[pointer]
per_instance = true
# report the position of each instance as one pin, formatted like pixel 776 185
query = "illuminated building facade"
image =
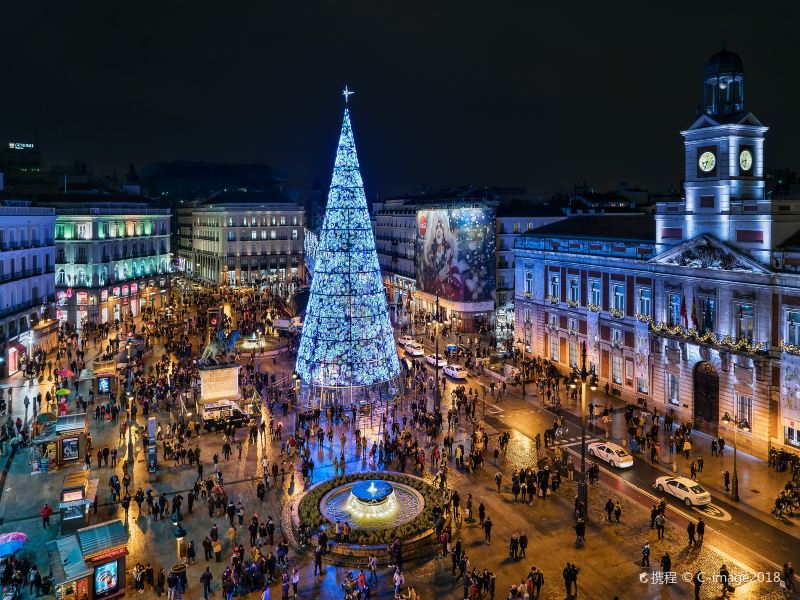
pixel 347 338
pixel 695 309
pixel 27 266
pixel 249 238
pixel 112 256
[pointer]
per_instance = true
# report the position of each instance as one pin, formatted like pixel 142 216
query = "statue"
pixel 220 344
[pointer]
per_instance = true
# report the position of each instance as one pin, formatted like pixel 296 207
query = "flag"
pixel 683 311
pixel 694 314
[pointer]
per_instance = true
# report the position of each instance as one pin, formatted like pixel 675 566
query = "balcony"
pixel 17 275
pixel 10 310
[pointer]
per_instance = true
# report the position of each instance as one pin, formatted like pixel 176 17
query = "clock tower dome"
pixel 724 185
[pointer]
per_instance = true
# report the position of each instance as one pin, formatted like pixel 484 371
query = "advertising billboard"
pixel 455 253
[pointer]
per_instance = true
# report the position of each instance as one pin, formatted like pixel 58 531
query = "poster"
pixel 455 253
pixel 69 449
pixel 104 386
pixel 106 579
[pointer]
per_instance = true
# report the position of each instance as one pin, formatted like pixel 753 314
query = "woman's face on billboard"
pixel 439 232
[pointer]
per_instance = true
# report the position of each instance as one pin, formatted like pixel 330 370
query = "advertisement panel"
pixel 106 579
pixel 455 253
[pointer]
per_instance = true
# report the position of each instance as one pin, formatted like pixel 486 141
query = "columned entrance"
pixel 706 398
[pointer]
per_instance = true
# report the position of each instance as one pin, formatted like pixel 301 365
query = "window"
pixel 283 220
pixel 744 408
pixel 554 349
pixel 594 292
pixel 572 324
pixel 273 235
pixel 574 289
pixel 516 227
pixel 553 321
pixel 673 389
pixel 616 369
pixel 644 301
pixel 294 234
pixel 529 283
pixel 793 327
pixel 573 354
pixel 618 297
pixel 253 234
pixel 641 385
pixel 555 286
pixel 526 315
pixel 263 234
pixel 673 310
pixel 294 220
pixel 616 337
pixel 273 221
pixel 231 236
pixel 708 307
pixel 744 322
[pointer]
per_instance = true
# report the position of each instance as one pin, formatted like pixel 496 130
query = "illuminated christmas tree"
pixel 347 337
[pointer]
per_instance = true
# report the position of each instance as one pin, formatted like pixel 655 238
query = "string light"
pixel 347 338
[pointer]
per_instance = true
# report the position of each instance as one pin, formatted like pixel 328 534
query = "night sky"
pixel 537 94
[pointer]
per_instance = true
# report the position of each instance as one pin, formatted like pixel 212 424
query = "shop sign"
pixel 115 291
pixel 104 296
pixel 83 297
pixel 107 555
pixel 124 290
pixel 134 289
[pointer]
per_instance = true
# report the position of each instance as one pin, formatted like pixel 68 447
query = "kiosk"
pixel 90 564
pixel 77 496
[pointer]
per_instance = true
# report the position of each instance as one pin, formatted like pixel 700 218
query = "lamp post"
pixel 436 401
pixel 180 533
pixel 522 366
pixel 585 377
pixel 744 426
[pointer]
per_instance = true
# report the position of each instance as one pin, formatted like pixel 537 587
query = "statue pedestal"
pixel 219 383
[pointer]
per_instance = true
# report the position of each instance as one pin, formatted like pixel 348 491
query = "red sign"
pixel 124 290
pixel 83 297
pixel 134 288
pixel 422 224
pixel 115 291
pixel 104 296
pixel 107 555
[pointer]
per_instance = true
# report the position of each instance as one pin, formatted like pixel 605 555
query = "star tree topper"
pixel 347 93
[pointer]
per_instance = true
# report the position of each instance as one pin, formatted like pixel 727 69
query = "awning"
pixel 17 346
pixel 98 538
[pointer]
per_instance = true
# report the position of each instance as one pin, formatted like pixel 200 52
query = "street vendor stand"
pixel 78 493
pixel 58 442
pixel 90 564
pixel 104 379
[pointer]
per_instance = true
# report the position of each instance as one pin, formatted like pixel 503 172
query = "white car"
pixel 415 349
pixel 683 488
pixel 406 340
pixel 455 371
pixel 614 455
pixel 436 360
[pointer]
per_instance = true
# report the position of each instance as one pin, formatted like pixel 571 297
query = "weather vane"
pixel 347 93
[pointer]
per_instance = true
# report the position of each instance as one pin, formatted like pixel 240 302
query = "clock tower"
pixel 724 185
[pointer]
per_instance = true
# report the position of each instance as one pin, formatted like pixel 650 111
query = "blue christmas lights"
pixel 347 337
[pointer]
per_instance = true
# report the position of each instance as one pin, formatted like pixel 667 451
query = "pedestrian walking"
pixel 646 555
pixel 45 513
pixel 487 529
pixel 701 530
pixel 660 522
pixel 726 479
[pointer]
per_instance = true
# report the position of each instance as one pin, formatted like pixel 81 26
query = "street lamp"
pixel 522 366
pixel 296 388
pixel 180 533
pixel 583 377
pixel 436 402
pixel 744 426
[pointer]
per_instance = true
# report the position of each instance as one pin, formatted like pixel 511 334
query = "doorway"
pixel 706 398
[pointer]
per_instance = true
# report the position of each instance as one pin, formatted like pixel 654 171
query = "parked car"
pixel 683 488
pixel 613 454
pixel 436 359
pixel 455 371
pixel 216 415
pixel 415 349
pixel 405 340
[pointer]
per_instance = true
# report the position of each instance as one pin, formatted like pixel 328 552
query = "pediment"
pixel 707 252
pixel 750 119
pixel 702 122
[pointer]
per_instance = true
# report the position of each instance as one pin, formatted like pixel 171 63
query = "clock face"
pixel 707 161
pixel 745 160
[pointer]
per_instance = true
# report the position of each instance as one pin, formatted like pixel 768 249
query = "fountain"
pixel 372 504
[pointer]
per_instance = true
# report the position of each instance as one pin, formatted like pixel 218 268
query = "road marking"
pixel 713 511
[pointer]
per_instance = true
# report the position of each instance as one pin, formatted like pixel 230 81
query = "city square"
pixel 222 379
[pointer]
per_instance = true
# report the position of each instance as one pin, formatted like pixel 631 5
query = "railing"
pixel 10 310
pixel 16 275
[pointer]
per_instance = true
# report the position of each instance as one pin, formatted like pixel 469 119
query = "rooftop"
pixel 267 196
pixel 638 228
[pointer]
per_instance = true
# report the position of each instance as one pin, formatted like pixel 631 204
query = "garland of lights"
pixel 347 338
pixel 709 337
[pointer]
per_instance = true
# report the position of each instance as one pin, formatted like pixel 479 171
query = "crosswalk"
pixel 565 442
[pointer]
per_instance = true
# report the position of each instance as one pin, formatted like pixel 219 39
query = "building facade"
pixel 241 239
pixel 112 257
pixel 397 234
pixel 27 284
pixel 184 262
pixel 695 309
